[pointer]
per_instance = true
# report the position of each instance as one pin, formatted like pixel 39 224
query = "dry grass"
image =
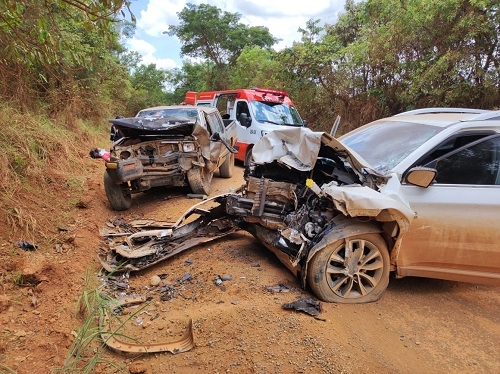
pixel 41 159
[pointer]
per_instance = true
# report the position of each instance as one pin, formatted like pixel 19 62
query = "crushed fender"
pixel 112 340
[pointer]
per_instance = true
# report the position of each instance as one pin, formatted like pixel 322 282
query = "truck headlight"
pixel 188 147
pixel 264 133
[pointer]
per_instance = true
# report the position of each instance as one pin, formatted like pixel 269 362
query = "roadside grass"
pixel 88 351
pixel 42 166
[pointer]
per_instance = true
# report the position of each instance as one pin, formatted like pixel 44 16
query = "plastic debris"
pixel 27 246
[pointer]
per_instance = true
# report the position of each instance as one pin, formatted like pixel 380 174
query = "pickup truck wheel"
pixel 118 195
pixel 199 180
pixel 248 157
pixel 227 167
pixel 351 271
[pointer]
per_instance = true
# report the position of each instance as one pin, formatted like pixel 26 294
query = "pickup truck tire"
pixel 227 168
pixel 248 157
pixel 118 195
pixel 351 271
pixel 199 180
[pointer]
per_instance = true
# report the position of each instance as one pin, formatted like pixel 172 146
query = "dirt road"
pixel 419 325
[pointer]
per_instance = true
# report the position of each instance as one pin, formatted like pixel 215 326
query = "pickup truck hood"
pixel 135 127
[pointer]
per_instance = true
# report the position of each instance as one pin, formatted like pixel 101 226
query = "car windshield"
pixel 279 114
pixel 385 144
pixel 180 114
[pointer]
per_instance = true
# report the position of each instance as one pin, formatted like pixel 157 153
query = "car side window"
pixel 242 107
pixel 477 164
pixel 215 123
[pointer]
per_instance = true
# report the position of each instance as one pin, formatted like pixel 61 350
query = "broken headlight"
pixel 188 147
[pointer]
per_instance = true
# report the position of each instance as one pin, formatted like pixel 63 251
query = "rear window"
pixel 177 113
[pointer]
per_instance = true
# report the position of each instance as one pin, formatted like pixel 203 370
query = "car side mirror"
pixel 245 120
pixel 215 137
pixel 305 123
pixel 421 176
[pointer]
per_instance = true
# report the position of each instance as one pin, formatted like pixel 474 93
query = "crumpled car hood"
pixel 134 126
pixel 299 147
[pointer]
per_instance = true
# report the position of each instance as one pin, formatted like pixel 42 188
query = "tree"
pixel 208 33
pixel 59 51
pixel 263 66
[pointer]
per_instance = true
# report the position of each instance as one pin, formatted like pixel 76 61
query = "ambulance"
pixel 257 112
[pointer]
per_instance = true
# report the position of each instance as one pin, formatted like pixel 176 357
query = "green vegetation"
pixel 64 73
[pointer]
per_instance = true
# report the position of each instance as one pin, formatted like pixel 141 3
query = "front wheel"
pixel 118 194
pixel 351 271
pixel 199 180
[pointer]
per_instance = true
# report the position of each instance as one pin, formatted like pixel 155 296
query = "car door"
pixel 455 234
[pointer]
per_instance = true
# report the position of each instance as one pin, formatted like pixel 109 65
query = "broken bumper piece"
pixel 153 243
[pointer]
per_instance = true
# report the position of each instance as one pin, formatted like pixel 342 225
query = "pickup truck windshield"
pixel 386 144
pixel 276 113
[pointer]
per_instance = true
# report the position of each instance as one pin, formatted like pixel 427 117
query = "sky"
pixel 281 17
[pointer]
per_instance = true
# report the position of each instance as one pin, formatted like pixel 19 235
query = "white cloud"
pixel 158 15
pixel 148 51
pixel 281 17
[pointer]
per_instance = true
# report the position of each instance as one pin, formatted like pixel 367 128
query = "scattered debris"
pixel 27 246
pixel 255 265
pixel 168 292
pixel 226 277
pixel 197 196
pixel 188 262
pixel 306 305
pixel 278 288
pixel 186 277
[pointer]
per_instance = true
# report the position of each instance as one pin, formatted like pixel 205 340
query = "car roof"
pixel 444 117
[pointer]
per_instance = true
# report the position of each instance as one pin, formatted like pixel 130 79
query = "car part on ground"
pixel 113 338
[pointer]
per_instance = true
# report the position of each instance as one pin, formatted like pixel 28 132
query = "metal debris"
pixel 112 339
pixel 306 305
pixel 278 288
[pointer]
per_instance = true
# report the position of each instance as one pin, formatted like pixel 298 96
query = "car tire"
pixel 118 195
pixel 333 279
pixel 227 168
pixel 199 180
pixel 248 157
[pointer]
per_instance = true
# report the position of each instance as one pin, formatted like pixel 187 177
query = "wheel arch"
pixel 346 229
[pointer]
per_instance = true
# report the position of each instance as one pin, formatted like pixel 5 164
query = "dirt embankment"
pixel 419 325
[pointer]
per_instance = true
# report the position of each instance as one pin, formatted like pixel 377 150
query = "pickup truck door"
pixel 217 149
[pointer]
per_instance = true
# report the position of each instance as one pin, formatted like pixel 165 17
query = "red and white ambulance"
pixel 257 112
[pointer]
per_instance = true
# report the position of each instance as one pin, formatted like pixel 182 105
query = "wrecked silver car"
pixel 168 146
pixel 340 224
